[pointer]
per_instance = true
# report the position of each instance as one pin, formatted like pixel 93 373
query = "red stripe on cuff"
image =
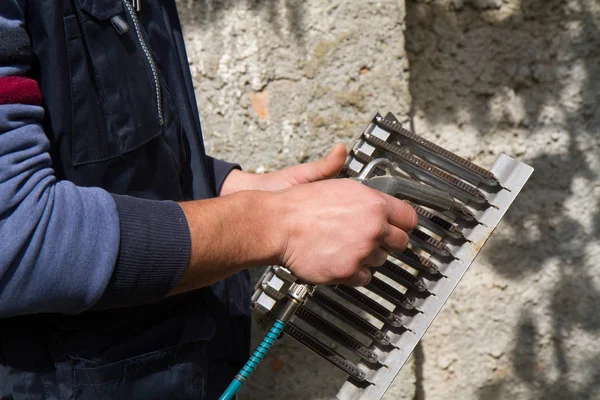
pixel 19 90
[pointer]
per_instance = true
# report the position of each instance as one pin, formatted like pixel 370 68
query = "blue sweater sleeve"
pixel 65 248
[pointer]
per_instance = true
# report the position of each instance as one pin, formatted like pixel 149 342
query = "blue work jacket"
pixel 121 115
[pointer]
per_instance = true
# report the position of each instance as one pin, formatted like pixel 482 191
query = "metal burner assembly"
pixel 370 332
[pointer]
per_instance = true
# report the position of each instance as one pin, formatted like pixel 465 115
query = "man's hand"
pixel 326 168
pixel 337 230
pixel 324 232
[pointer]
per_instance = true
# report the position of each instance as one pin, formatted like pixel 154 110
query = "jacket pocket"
pixel 156 352
pixel 115 90
pixel 172 373
pixel 138 367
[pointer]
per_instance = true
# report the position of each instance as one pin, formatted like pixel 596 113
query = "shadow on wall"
pixel 275 12
pixel 460 60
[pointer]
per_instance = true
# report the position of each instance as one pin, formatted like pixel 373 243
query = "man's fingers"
pixel 395 240
pixel 400 214
pixel 361 278
pixel 376 258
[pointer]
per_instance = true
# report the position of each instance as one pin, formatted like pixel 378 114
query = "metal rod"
pixel 327 353
pixel 369 305
pixel 440 156
pixel 418 262
pixel 428 172
pixel 335 333
pixel 403 277
pixel 438 224
pixel 429 244
pixel 389 292
pixel 349 317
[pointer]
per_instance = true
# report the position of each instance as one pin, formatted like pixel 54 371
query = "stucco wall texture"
pixel 279 82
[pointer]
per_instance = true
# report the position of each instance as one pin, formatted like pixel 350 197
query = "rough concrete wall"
pixel 522 77
pixel 278 82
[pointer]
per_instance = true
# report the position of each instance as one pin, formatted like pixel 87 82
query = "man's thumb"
pixel 325 168
pixel 330 165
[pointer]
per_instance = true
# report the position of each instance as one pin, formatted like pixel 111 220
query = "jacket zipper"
pixel 138 33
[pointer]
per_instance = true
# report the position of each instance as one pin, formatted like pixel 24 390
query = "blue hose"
pixel 253 361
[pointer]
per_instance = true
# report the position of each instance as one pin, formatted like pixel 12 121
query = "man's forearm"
pixel 228 234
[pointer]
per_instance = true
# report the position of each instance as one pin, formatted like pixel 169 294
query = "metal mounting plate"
pixel 512 175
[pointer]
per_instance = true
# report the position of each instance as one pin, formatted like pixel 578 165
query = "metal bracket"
pixel 459 205
pixel 512 175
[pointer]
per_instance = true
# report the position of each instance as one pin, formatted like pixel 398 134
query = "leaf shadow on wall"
pixel 459 60
pixel 275 13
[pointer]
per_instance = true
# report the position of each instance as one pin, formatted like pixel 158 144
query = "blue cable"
pixel 253 361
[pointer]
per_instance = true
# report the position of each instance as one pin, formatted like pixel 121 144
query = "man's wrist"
pixel 273 234
pixel 229 234
pixel 257 225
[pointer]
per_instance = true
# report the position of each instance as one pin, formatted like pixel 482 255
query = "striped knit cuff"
pixel 15 46
pixel 154 251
